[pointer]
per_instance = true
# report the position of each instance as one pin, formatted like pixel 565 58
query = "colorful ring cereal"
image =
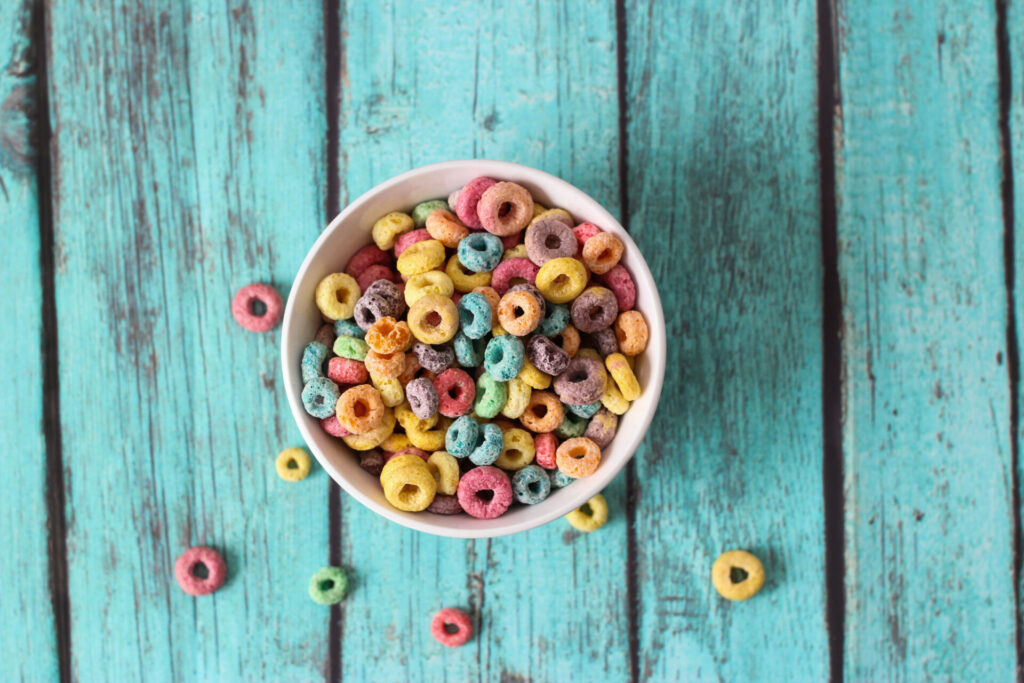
pixel 456 618
pixel 429 439
pixel 469 198
pixel 571 427
pixel 292 464
pixel 621 283
pixel 388 335
pixel 422 397
pixel 543 414
pixel 582 381
pixel 519 313
pixel 601 428
pixel 462 436
pixel 464 279
pixel 420 257
pixel 544 449
pixel 336 296
pixel 408 419
pixel 534 378
pixel 409 239
pixel 549 238
pixel 737 575
pixel 391 391
pixel 373 438
pixel 387 229
pixel 492 296
pixel 445 469
pixel 313 358
pixel 369 309
pixel 546 356
pixel 491 396
pixel 433 319
pixel 370 255
pixel 348 328
pixel 391 294
pixel 474 315
pixel 514 271
pixel 505 208
pixel 455 392
pixel 604 341
pixel 444 227
pixel 503 357
pixel 578 457
pixel 489 446
pixel 485 492
pixel 424 209
pixel 623 375
pixel 331 425
pixel 560 214
pixel 360 409
pixel 569 340
pixel 480 252
pixel 583 232
pixel 430 282
pixel 559 479
pixel 319 396
pixel 351 348
pixel 555 320
pixel 517 449
pixel 595 309
pixel 631 333
pixel 469 352
pixel 587 410
pixel 374 273
pixel 384 365
pixel 531 485
pixel 445 505
pixel 372 462
pixel 248 298
pixel 408 484
pixel 518 398
pixel 590 516
pixel 434 358
pixel 602 252
pixel 187 570
pixel 518 251
pixel 325 335
pixel 328 586
pixel 560 280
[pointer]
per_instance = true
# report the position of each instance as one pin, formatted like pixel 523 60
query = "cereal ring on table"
pixel 534 378
pixel 517 449
pixel 328 586
pixel 519 313
pixel 462 436
pixel 623 375
pixel 319 396
pixel 360 409
pixel 547 239
pixel 544 447
pixel 430 282
pixel 583 232
pixel 519 393
pixel 445 469
pixel 313 358
pixel 587 410
pixel 555 320
pixel 445 505
pixel 469 197
pixel 336 296
pixel 488 448
pixel 422 397
pixel 370 255
pixel 463 279
pixel 561 280
pixel 601 429
pixel 254 297
pixel 578 457
pixel 388 335
pixel 474 315
pixel 621 283
pixel 737 575
pixel 433 319
pixel 531 485
pixel 409 239
pixel 505 208
pixel 571 427
pixel 351 348
pixel 444 227
pixel 559 214
pixel 187 570
pixel 455 392
pixel 408 419
pixel 512 272
pixel 490 396
pixel 492 296
pixel 485 492
pixel 325 335
pixel 612 399
pixel 331 425
pixel 455 618
pixel 631 333
pixel 372 462
pixel 602 252
pixel 518 251
pixel 384 365
pixel 559 479
pixel 408 484
pixel 421 257
pixel 503 357
pixel 430 439
pixel 604 341
pixel 595 309
pixel 590 516
pixel 581 382
pixel 348 328
pixel 374 273
pixel 434 358
pixel 543 414
pixel 569 340
pixel 424 209
pixel 546 356
pixel 480 252
pixel 469 352
pixel 410 450
pixel 292 464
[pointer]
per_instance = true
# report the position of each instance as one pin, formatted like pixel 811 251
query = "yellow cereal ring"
pixel 517 449
pixel 336 296
pixel 395 442
pixel 518 397
pixel 444 227
pixel 590 516
pixel 373 438
pixel 612 399
pixel 292 464
pixel 430 282
pixel 360 409
pixel 561 280
pixel 498 330
pixel 391 390
pixel 559 214
pixel 420 258
pixel 409 420
pixel 538 210
pixel 532 377
pixel 387 229
pixel 463 279
pixel 737 575
pixel 408 484
pixel 518 251
pixel 445 469
pixel 624 378
pixel 589 353
pixel 433 319
pixel 430 439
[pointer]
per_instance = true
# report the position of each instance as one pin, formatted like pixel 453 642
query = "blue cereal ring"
pixel 480 251
pixel 319 397
pixel 491 396
pixel 531 485
pixel 313 361
pixel 469 352
pixel 555 321
pixel 559 479
pixel 474 315
pixel 503 357
pixel 348 328
pixel 587 410
pixel 462 436
pixel 572 426
pixel 489 447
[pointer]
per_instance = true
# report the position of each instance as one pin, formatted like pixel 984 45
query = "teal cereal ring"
pixel 328 586
pixel 313 359
pixel 555 320
pixel 587 410
pixel 480 252
pixel 491 396
pixel 469 352
pixel 474 315
pixel 572 426
pixel 348 328
pixel 462 436
pixel 424 209
pixel 352 348
pixel 489 447
pixel 531 485
pixel 503 357
pixel 319 397
pixel 559 479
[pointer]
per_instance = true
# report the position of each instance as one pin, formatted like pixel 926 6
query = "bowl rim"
pixel 655 353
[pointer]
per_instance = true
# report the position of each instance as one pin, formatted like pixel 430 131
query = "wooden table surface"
pixel 824 190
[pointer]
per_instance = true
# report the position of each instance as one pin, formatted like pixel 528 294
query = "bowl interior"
pixel 350 230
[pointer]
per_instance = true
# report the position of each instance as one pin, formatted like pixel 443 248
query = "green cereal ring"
pixel 350 347
pixel 491 396
pixel 572 426
pixel 424 209
pixel 328 586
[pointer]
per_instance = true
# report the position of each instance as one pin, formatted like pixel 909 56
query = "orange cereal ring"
pixel 360 409
pixel 412 366
pixel 569 340
pixel 544 413
pixel 433 319
pixel 492 296
pixel 578 457
pixel 631 332
pixel 444 227
pixel 384 365
pixel 519 313
pixel 388 335
pixel 602 252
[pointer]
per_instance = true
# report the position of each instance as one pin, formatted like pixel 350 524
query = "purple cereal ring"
pixel 469 197
pixel 445 505
pixel 391 293
pixel 422 397
pixel 602 426
pixel 369 309
pixel 505 209
pixel 595 309
pixel 621 282
pixel 549 238
pixel 372 462
pixel 512 271
pixel 407 239
pixel 527 287
pixel 250 295
pixel 547 356
pixel 581 382
pixel 325 335
pixel 605 341
pixel 435 359
pixel 185 570
pixel 485 492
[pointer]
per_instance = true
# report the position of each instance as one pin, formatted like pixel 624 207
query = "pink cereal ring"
pixel 455 392
pixel 188 565
pixel 508 270
pixel 450 616
pixel 347 371
pixel 505 209
pixel 546 444
pixel 370 255
pixel 469 197
pixel 407 239
pixel 485 492
pixel 584 231
pixel 408 451
pixel 333 427
pixel 374 273
pixel 621 283
pixel 242 304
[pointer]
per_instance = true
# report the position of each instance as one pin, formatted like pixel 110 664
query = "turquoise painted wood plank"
pixel 724 200
pixel 189 161
pixel 929 560
pixel 550 605
pixel 26 614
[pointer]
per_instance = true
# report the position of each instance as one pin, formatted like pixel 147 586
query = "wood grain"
pixel 929 589
pixel 26 615
pixel 506 83
pixel 724 201
pixel 188 161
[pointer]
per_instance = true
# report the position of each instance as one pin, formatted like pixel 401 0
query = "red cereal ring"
pixel 347 371
pixel 485 492
pixel 469 197
pixel 621 283
pixel 455 392
pixel 545 446
pixel 505 209
pixel 192 562
pixel 250 295
pixel 407 239
pixel 450 616
pixel 370 255
pixel 374 273
pixel 583 232
pixel 509 271
pixel 333 427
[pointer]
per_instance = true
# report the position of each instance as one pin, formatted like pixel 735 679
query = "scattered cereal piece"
pixel 200 570
pixel 292 464
pixel 328 586
pixel 737 575
pixel 249 298
pixel 451 627
pixel 590 516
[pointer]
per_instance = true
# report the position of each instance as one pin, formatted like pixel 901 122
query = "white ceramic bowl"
pixel 350 230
